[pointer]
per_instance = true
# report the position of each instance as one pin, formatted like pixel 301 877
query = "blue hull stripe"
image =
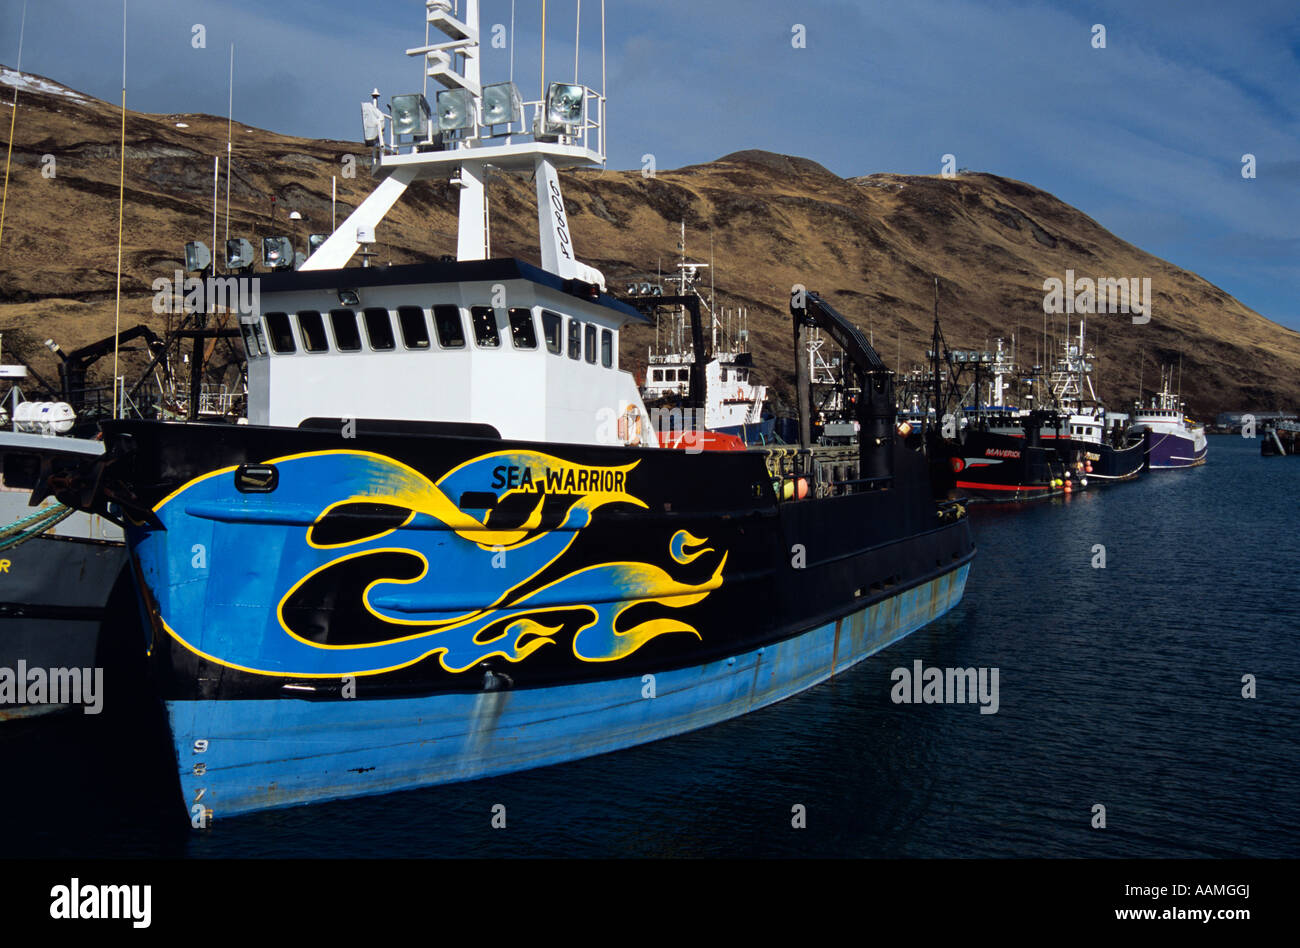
pixel 273 753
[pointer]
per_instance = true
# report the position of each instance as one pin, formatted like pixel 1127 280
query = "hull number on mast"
pixel 561 220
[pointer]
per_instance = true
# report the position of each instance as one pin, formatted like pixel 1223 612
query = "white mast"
pixel 456 143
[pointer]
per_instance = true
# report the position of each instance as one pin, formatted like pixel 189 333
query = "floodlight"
pixel 349 298
pixel 411 114
pixel 657 290
pixel 277 253
pixel 455 109
pixel 565 106
pixel 314 242
pixel 239 254
pixel 501 104
pixel 645 289
pixel 197 256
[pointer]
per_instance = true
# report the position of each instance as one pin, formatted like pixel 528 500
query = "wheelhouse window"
pixel 552 324
pixel 607 348
pixel 379 329
pixel 484 320
pixel 657 375
pixel 277 327
pixel 522 332
pixel 415 329
pixel 250 340
pixel 575 339
pixel 312 329
pixel 590 335
pixel 450 327
pixel 346 335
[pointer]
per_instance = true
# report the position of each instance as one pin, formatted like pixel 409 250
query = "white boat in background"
pixel 732 403
pixel 1176 440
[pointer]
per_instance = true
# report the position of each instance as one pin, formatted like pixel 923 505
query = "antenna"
pixel 543 90
pixel 230 118
pixel 216 177
pixel 604 120
pixel 577 32
pixel 512 45
pixel 1140 367
pixel 121 208
pixel 4 202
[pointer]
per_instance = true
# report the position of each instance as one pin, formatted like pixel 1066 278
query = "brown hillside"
pixel 872 245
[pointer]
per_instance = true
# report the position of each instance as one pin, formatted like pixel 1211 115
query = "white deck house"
pixel 424 343
pixel 531 352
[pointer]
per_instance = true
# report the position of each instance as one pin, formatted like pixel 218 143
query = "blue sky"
pixel 1146 136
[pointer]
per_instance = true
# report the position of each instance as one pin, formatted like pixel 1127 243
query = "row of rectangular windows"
pixel 670 375
pixel 448 325
pixel 684 375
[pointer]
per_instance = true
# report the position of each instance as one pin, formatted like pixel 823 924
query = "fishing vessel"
pixel 1005 459
pixel 61 567
pixel 1175 440
pixel 448 543
pixel 58 565
pixel 717 386
pixel 1096 441
pixel 995 452
pixel 1092 446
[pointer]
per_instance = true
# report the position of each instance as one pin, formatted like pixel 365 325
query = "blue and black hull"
pixel 283 751
pixel 334 617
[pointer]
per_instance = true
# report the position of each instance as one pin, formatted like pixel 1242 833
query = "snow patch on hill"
pixel 26 82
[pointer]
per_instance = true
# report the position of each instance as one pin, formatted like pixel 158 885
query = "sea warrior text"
pixel 564 481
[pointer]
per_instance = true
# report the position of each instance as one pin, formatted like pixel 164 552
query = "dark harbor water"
pixel 1119 686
